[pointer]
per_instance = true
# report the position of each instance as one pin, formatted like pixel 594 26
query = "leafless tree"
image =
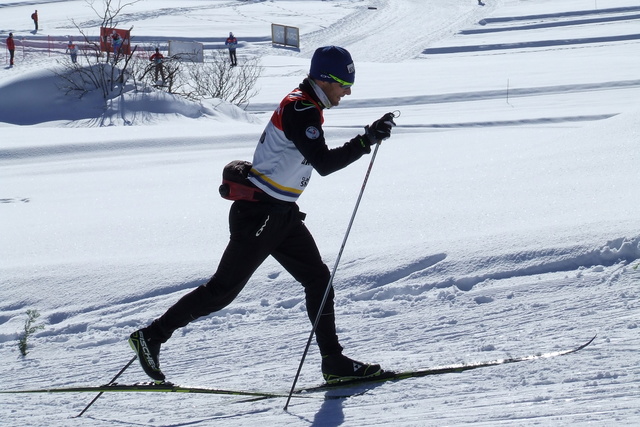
pixel 214 79
pixel 93 72
pixel 217 79
pixel 97 70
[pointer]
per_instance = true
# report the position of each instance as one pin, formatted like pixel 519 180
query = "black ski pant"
pixel 260 229
pixel 159 69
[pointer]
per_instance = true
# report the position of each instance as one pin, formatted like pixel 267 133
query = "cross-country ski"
pixel 384 376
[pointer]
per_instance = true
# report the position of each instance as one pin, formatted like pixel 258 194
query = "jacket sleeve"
pixel 302 124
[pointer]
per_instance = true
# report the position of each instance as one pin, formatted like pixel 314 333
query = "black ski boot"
pixel 339 368
pixel 148 352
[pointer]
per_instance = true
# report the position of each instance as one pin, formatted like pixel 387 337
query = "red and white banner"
pixel 114 38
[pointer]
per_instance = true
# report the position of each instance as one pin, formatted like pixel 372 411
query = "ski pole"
pixel 110 382
pixel 333 273
pixel 330 284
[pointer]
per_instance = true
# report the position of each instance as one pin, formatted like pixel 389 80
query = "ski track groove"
pixel 395 42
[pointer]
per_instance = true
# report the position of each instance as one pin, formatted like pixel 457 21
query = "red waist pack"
pixel 236 186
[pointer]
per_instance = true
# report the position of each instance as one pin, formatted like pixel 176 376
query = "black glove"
pixel 380 130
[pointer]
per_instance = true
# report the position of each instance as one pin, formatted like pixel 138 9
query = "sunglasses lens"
pixel 343 84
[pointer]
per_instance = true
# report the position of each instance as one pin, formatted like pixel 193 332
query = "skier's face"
pixel 334 91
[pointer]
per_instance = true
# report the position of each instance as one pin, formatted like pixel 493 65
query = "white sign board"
pixel 287 36
pixel 186 51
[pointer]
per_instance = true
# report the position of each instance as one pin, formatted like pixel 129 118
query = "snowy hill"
pixel 500 220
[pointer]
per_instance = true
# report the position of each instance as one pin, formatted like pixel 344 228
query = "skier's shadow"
pixel 331 412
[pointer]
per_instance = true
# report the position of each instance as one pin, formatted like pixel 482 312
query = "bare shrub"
pixel 216 79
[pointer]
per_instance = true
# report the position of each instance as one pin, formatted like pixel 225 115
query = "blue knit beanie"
pixel 332 60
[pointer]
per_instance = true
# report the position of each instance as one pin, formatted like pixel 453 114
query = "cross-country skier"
pixel 270 222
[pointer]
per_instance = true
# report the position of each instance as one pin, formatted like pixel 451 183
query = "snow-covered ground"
pixel 501 219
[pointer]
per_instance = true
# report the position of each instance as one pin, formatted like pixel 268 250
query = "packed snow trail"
pixel 400 30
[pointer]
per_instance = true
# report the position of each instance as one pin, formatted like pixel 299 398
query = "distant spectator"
pixel 72 50
pixel 158 59
pixel 11 46
pixel 116 43
pixel 231 43
pixel 34 16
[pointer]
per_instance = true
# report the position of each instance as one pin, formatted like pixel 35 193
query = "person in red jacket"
pixel 34 16
pixel 12 48
pixel 157 58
